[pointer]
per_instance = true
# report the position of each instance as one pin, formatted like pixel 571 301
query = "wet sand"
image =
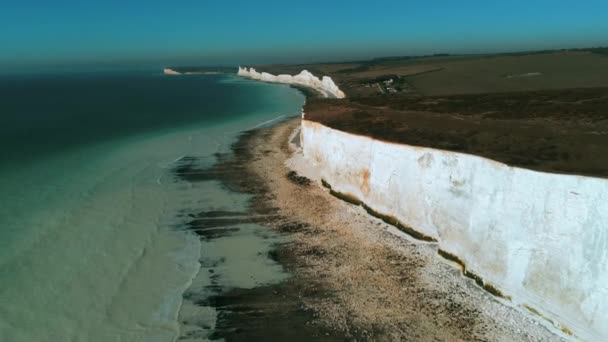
pixel 351 276
pixel 270 309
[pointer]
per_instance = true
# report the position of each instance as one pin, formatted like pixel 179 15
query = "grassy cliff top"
pixel 544 111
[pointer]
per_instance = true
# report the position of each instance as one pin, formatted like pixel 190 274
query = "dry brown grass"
pixel 558 70
pixel 408 70
pixel 467 74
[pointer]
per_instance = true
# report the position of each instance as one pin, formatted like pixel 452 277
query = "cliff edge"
pixel 538 240
pixel 326 85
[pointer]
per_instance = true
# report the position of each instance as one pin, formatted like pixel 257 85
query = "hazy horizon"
pixel 38 35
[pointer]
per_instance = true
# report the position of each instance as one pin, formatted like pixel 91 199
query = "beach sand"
pixel 349 276
pixel 355 276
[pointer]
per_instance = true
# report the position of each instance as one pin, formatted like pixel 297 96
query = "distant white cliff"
pixel 168 71
pixel 326 85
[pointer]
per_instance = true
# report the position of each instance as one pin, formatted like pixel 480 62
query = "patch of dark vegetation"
pixel 297 179
pixel 597 50
pixel 535 312
pixel 396 223
pixel 292 227
pixel 563 104
pixel 495 291
pixel 215 233
pixel 202 224
pixel 386 218
pixel 325 184
pixel 273 255
pixel 220 213
pixel 360 114
pixel 192 173
pixel 360 68
pixel 469 274
pixel 566 331
pixel 451 257
pixel 315 251
pixel 385 61
pixel 345 197
pixel 486 286
pixel 208 263
pixel 263 314
pixel 214 224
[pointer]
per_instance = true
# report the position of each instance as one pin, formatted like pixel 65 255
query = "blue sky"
pixel 38 33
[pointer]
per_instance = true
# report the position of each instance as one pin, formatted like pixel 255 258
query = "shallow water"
pixel 91 240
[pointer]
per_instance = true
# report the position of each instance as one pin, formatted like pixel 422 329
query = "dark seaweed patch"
pixel 535 312
pixel 291 227
pixel 215 233
pixel 220 213
pixel 386 218
pixel 396 223
pixel 261 314
pixel 297 179
pixel 346 197
pixel 451 257
pixel 478 280
pixel 325 184
pixel 495 291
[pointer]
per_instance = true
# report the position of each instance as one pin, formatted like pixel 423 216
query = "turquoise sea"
pixel 90 244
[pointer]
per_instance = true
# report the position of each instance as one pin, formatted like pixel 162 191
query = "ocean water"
pixel 90 242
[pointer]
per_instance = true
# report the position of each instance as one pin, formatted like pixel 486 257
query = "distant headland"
pixel 200 70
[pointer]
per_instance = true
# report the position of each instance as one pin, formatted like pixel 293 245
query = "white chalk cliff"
pixel 326 85
pixel 540 238
pixel 168 71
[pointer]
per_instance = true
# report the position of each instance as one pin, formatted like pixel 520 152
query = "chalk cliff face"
pixel 540 238
pixel 168 71
pixel 325 85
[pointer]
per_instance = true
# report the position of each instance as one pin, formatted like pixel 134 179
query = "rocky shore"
pixel 352 276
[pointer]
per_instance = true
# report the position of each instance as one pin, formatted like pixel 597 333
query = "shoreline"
pixel 401 167
pixel 352 275
pixel 267 308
